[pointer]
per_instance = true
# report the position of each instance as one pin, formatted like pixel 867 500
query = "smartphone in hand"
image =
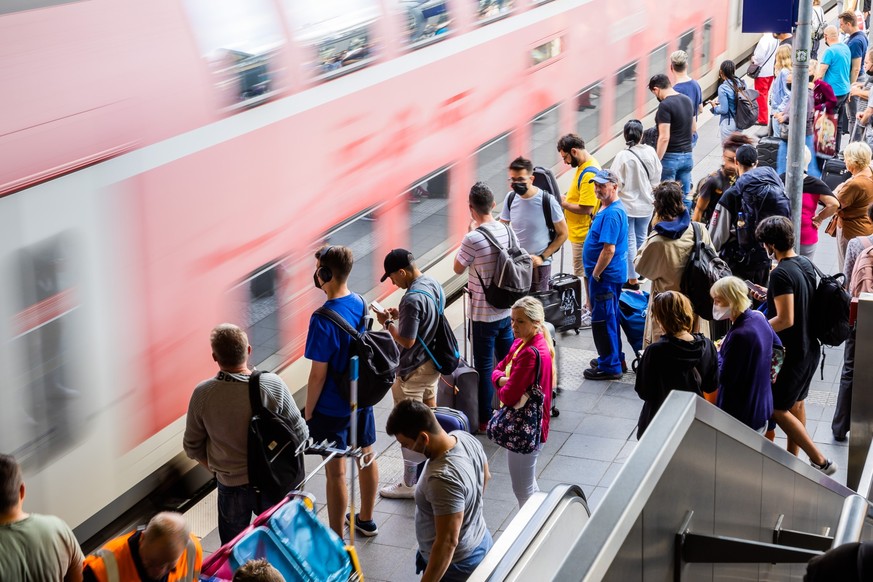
pixel 756 289
pixel 377 307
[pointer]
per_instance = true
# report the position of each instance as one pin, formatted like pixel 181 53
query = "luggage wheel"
pixel 634 365
pixel 577 331
pixel 555 412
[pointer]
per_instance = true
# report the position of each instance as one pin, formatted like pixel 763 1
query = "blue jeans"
pixel 605 325
pixel 491 339
pixel 461 570
pixel 782 158
pixel 235 508
pixel 637 229
pixel 678 166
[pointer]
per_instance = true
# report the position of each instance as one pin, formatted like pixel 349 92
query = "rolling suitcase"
pixel 768 149
pixel 460 389
pixel 834 172
pixel 451 419
pixel 563 302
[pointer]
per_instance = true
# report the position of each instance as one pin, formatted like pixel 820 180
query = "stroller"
pixel 632 306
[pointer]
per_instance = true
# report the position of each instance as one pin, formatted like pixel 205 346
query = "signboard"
pixel 770 15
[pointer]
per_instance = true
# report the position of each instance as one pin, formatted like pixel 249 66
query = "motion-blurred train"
pixel 172 164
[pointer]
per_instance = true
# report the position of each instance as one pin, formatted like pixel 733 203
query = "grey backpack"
pixel 513 272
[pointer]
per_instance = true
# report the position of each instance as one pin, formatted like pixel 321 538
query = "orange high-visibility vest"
pixel 114 562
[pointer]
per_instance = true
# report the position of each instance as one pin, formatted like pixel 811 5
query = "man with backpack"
pixel 757 194
pixel 217 427
pixel 711 187
pixel 412 325
pixel 524 211
pixel 492 332
pixel 328 412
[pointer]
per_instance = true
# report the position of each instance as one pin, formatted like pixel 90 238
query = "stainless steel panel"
pixel 861 427
pixel 628 564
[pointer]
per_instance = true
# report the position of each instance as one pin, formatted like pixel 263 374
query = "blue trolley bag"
pixel 451 419
pixel 632 306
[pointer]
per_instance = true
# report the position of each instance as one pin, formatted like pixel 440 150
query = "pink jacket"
pixel 521 376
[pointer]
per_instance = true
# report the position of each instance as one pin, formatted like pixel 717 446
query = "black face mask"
pixel 869 72
pixel 519 188
pixel 315 280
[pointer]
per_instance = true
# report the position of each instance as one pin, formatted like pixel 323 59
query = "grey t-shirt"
pixel 418 317
pixel 39 548
pixel 528 222
pixel 451 483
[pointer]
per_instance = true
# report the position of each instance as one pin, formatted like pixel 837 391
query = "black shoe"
pixel 598 374
pixel 841 439
pixel 365 528
pixel 631 286
pixel 593 364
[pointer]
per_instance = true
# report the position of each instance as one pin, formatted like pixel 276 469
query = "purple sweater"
pixel 744 360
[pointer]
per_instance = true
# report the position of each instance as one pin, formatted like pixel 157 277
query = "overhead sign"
pixel 770 15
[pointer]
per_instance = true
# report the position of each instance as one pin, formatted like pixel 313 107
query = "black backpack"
pixel 274 466
pixel 829 312
pixel 378 355
pixel 442 349
pixel 513 272
pixel 761 196
pixel 704 267
pixel 545 180
pixel 747 107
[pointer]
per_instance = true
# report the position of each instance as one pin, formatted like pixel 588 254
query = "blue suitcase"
pixel 451 419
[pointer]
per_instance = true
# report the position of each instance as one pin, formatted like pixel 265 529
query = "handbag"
pixel 754 70
pixel 776 362
pixel 520 429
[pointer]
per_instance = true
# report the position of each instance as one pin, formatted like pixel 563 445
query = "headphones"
pixel 324 273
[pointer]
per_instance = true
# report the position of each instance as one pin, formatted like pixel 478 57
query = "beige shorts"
pixel 419 385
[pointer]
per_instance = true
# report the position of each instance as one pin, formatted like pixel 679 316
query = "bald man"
pixel 835 69
pixel 165 551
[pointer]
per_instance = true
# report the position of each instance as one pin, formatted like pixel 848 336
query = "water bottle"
pixel 744 237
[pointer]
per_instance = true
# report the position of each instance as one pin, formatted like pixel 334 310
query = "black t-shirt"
pixel 795 275
pixel 678 111
pixel 812 185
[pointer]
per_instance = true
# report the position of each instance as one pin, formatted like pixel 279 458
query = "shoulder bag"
pixel 520 429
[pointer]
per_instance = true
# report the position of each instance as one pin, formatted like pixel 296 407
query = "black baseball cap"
pixel 747 155
pixel 396 260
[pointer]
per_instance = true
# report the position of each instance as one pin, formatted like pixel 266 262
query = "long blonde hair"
pixel 534 311
pixel 783 58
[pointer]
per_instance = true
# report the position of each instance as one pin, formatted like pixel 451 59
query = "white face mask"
pixel 720 312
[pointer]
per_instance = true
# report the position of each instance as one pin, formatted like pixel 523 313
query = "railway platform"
pixel 588 444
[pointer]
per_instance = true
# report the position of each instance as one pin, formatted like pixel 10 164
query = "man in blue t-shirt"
pixel 604 258
pixel 327 413
pixel 835 70
pixel 857 43
pixel 685 85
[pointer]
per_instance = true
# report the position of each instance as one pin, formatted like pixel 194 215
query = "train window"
pixel 686 43
pixel 262 292
pixel 428 219
pixel 338 34
pixel 706 49
pixel 49 398
pixel 492 161
pixel 426 20
pixel 544 138
pixel 625 96
pixel 657 66
pixel 239 40
pixel 588 115
pixel 546 51
pixel 10 6
pixel 487 10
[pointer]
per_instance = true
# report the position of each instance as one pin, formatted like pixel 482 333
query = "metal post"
pixel 799 110
pixel 353 397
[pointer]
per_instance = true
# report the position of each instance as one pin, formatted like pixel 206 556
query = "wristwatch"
pixel 387 323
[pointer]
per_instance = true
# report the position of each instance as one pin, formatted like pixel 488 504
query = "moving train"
pixel 172 164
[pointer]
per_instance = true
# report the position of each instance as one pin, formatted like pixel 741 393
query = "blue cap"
pixel 605 177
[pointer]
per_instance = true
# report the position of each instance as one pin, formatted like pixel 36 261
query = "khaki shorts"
pixel 419 385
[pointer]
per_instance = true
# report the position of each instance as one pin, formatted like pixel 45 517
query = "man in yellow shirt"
pixel 580 203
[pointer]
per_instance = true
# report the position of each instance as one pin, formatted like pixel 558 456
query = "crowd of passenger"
pixel 750 350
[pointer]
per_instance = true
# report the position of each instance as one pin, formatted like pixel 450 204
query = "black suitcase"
pixel 563 302
pixel 768 150
pixel 834 172
pixel 460 390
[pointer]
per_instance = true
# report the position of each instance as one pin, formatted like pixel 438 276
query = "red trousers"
pixel 762 86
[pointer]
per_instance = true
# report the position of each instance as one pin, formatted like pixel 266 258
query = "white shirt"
pixel 636 192
pixel 765 54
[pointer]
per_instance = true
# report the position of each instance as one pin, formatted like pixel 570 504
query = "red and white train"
pixel 172 164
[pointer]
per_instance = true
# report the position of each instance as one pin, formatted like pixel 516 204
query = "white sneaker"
pixel 829 468
pixel 398 491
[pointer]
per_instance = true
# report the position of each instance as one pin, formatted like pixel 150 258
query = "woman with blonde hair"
pixel 515 374
pixel 780 93
pixel 854 196
pixel 680 360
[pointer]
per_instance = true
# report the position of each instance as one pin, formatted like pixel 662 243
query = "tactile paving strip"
pixel 822 398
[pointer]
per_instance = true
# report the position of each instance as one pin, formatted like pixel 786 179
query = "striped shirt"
pixel 481 257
